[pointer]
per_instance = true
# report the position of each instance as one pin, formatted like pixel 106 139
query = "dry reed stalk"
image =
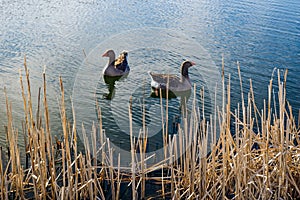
pixel 101 140
pixel 30 127
pixel 118 178
pixel 132 150
pixel 88 166
pixel 143 146
pixel 28 95
pixel 166 133
pixel 49 145
pixel 24 103
pixel 162 117
pixel 83 50
pixel 82 176
pixel 2 177
pixel 222 139
pixel 111 170
pixel 171 160
pixel 42 165
pixel 64 124
pixel 98 181
pixel 38 117
pixel 212 171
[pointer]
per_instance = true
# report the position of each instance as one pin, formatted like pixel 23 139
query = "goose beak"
pixel 105 54
pixel 193 63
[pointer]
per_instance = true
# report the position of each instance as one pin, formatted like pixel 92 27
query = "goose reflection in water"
pixel 184 96
pixel 110 83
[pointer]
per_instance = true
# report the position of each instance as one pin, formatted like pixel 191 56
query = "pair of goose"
pixel 119 67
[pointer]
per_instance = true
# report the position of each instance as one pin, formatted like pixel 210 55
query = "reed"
pixel 256 155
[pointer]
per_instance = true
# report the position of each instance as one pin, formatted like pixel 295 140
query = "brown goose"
pixel 116 67
pixel 176 84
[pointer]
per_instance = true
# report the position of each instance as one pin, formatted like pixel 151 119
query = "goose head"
pixel 110 54
pixel 184 69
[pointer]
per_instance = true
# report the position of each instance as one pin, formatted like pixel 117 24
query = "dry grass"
pixel 257 155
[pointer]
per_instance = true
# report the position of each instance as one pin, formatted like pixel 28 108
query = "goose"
pixel 176 84
pixel 116 67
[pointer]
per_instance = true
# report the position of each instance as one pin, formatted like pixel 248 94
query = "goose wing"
pixel 121 62
pixel 161 80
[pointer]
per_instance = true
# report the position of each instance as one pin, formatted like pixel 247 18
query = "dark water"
pixel 159 35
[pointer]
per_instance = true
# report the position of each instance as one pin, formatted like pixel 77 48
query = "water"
pixel 159 35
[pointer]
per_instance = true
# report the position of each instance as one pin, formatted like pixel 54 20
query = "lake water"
pixel 68 39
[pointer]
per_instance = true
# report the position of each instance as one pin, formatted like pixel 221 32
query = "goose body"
pixel 116 67
pixel 176 83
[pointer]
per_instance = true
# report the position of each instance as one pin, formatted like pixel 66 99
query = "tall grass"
pixel 257 154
